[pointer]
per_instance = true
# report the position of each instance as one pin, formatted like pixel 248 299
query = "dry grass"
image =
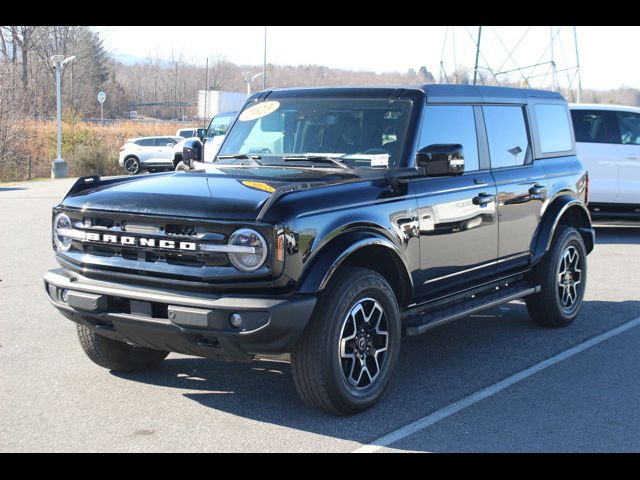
pixel 89 149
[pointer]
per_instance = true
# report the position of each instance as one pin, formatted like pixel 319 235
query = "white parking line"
pixel 491 390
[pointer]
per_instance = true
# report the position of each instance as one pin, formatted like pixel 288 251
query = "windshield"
pixel 359 132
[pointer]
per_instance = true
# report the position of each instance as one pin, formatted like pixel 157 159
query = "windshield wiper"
pixel 316 158
pixel 255 159
pixel 239 156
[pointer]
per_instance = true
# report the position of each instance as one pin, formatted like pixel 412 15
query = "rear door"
pixel 457 214
pixel 629 148
pixel 597 146
pixel 521 184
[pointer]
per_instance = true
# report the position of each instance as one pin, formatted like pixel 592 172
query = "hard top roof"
pixel 435 93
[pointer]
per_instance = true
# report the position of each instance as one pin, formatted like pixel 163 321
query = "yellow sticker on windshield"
pixel 261 109
pixel 259 185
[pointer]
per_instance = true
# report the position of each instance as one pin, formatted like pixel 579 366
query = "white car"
pixel 608 145
pixel 147 153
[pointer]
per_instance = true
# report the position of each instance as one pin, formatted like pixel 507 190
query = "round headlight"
pixel 251 251
pixel 59 222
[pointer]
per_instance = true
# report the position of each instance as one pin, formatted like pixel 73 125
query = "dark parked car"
pixel 332 222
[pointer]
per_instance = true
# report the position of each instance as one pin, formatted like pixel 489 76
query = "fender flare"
pixel 549 223
pixel 326 261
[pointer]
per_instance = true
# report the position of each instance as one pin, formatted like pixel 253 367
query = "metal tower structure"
pixel 510 62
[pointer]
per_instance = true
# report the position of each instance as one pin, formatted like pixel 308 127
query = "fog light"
pixel 235 319
pixel 64 295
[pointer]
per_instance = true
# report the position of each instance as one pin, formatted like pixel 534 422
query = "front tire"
pixel 115 355
pixel 345 357
pixel 562 274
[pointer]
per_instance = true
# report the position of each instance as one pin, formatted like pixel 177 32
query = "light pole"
pixel 248 79
pixel 59 166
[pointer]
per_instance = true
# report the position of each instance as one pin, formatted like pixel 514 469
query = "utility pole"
pixel 206 95
pixel 475 68
pixel 554 74
pixel 264 61
pixel 59 167
pixel 575 40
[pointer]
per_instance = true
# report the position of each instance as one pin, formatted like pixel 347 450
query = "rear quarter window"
pixel 554 128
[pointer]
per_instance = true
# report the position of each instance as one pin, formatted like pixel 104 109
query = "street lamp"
pixel 59 166
pixel 248 79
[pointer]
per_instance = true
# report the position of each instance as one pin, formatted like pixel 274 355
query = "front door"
pixel 629 127
pixel 597 139
pixel 457 214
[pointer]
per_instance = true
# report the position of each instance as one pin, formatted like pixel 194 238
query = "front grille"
pixel 155 261
pixel 158 231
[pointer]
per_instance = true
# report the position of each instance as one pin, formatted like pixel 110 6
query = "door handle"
pixel 537 189
pixel 483 199
pixel 631 157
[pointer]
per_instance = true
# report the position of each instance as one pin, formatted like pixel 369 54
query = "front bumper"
pixel 193 323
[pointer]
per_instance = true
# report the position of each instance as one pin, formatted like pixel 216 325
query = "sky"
pixel 606 54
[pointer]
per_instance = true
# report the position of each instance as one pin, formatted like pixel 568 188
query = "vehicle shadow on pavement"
pixel 435 369
pixel 618 235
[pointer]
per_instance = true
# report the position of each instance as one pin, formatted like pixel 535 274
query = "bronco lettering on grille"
pixel 140 241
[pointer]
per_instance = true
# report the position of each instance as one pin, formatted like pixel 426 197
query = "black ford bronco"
pixel 332 222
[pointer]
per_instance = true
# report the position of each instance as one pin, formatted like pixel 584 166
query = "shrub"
pixel 89 149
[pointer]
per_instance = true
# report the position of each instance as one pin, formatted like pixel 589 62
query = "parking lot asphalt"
pixel 54 399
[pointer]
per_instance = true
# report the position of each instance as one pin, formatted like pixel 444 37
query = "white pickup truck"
pixel 608 145
pixel 214 135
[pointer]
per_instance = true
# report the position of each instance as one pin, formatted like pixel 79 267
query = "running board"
pixel 415 325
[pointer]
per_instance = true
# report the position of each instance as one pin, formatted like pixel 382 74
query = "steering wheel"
pixel 373 151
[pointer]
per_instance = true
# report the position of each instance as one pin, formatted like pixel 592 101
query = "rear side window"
pixel 553 128
pixel 629 125
pixel 452 124
pixel 507 135
pixel 145 142
pixel 595 126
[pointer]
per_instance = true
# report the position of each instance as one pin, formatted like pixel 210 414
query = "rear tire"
pixel 344 359
pixel 562 274
pixel 131 165
pixel 115 355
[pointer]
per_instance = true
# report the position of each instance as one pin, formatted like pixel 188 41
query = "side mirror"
pixel 201 133
pixel 169 144
pixel 192 151
pixel 441 160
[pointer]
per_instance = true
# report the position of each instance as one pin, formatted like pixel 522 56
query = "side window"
pixel 553 128
pixel 451 124
pixel 595 126
pixel 162 141
pixel 507 135
pixel 145 142
pixel 219 126
pixel 629 125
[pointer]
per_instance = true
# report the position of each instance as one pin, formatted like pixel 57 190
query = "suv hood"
pixel 225 193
